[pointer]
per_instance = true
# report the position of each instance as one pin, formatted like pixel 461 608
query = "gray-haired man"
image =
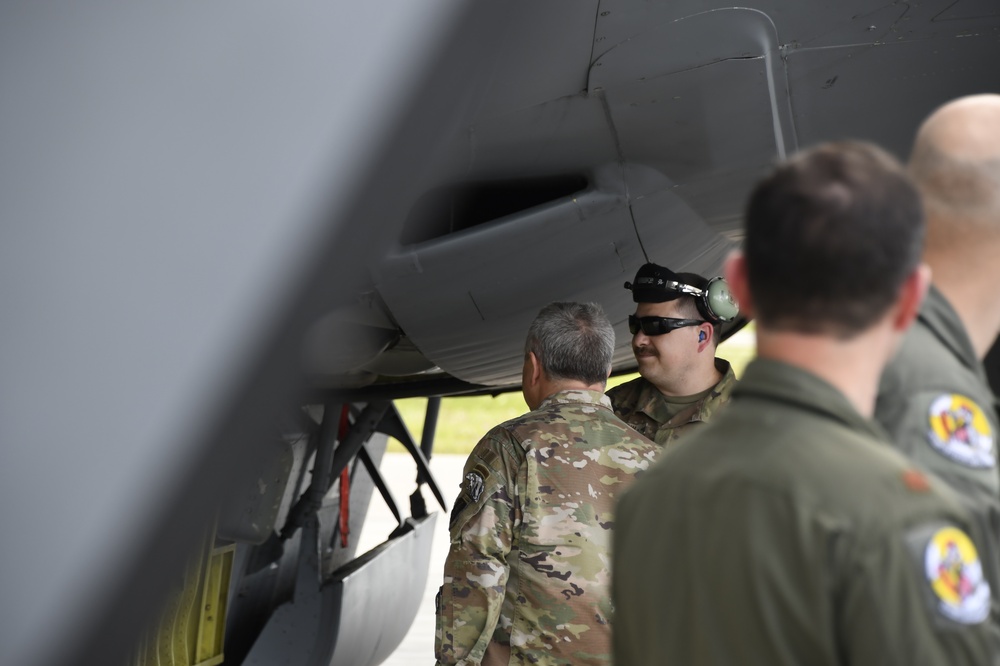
pixel 528 569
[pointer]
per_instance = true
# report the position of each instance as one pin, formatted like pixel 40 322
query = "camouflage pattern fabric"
pixel 526 579
pixel 642 406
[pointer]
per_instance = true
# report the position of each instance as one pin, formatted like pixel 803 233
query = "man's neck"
pixel 852 366
pixel 975 305
pixel 550 387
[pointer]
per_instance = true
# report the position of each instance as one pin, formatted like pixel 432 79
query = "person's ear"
pixel 535 366
pixel 739 284
pixel 531 376
pixel 704 336
pixel 532 373
pixel 911 295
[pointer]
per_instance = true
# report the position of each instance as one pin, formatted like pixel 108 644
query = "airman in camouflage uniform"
pixel 934 398
pixel 527 575
pixel 662 419
pixel 675 331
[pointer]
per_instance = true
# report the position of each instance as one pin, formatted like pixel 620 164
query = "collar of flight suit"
pixel 940 318
pixel 581 396
pixel 781 382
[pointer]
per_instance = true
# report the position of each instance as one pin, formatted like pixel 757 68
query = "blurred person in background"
pixel 934 399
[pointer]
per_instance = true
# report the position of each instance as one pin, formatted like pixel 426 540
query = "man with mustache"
pixel 675 330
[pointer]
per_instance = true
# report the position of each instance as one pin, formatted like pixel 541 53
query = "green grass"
pixel 463 421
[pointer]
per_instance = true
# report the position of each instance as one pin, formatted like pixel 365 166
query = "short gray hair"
pixel 572 341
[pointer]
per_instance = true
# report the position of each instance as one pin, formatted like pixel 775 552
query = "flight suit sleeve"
pixel 949 434
pixel 953 436
pixel 483 522
pixel 918 598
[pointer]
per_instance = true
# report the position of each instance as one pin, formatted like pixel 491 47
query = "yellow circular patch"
pixel 959 430
pixel 955 573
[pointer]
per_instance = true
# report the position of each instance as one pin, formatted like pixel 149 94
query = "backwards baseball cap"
pixel 657 284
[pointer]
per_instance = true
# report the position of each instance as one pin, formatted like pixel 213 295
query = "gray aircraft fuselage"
pixel 216 214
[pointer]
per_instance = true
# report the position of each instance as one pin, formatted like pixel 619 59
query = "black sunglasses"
pixel 658 325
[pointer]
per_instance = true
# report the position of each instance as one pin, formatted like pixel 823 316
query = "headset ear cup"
pixel 719 303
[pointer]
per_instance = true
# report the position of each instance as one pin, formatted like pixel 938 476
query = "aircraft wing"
pixel 177 181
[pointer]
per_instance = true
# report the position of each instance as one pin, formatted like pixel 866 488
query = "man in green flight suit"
pixel 675 331
pixel 526 578
pixel 786 532
pixel 934 399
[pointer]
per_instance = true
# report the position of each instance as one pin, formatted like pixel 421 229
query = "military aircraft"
pixel 234 232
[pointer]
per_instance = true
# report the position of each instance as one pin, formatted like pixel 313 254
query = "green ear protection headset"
pixel 656 284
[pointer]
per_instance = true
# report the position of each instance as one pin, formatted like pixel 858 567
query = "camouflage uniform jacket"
pixel 526 578
pixel 642 406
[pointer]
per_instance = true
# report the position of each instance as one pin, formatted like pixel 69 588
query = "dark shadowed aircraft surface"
pixel 233 232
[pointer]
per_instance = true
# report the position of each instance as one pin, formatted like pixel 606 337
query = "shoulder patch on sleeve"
pixel 474 484
pixel 959 430
pixel 953 572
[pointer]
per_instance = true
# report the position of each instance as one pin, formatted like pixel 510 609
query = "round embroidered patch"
pixel 952 566
pixel 960 431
